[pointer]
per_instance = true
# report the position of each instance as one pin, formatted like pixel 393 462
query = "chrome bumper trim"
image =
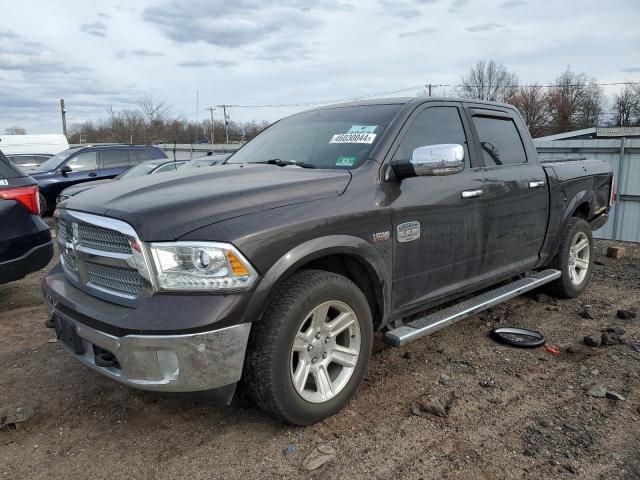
pixel 169 363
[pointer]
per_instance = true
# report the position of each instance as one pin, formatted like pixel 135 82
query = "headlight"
pixel 201 266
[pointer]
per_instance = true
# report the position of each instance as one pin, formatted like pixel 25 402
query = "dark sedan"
pixel 25 240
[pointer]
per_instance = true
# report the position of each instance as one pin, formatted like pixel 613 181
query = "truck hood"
pixel 168 206
pixel 81 187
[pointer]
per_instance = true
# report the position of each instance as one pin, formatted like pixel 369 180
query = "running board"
pixel 448 316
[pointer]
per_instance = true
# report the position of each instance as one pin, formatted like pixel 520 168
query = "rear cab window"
pixel 499 140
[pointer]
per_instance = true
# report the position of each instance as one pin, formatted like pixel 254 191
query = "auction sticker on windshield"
pixel 362 129
pixel 353 138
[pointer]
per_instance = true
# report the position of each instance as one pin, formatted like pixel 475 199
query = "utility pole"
pixel 211 109
pixel 64 117
pixel 226 122
pixel 429 87
pixel 197 107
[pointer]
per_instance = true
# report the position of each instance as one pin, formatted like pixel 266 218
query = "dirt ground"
pixel 517 413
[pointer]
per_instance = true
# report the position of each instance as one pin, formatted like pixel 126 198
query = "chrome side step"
pixel 443 318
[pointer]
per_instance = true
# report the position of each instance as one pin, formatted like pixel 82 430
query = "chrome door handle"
pixel 536 183
pixel 472 193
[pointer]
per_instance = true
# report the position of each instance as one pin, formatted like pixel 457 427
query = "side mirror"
pixel 436 160
pixel 64 170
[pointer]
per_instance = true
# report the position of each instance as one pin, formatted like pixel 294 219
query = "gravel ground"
pixel 508 413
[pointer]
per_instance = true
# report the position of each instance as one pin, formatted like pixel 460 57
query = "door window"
pixel 143 155
pixel 83 162
pixel 500 141
pixel 433 126
pixel 114 158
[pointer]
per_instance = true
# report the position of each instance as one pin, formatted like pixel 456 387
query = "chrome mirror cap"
pixel 442 159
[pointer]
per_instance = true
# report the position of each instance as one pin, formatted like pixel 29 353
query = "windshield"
pixel 139 170
pixel 338 138
pixel 55 161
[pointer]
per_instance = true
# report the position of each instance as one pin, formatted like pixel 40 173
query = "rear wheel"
pixel 43 204
pixel 573 259
pixel 308 354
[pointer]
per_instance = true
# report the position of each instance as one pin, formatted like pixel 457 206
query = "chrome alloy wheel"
pixel 579 255
pixel 325 351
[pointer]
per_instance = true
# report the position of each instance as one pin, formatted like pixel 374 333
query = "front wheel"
pixel 573 259
pixel 309 352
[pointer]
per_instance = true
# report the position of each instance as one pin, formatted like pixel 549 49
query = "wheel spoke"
pixel 301 342
pixel 347 357
pixel 323 382
pixel 319 317
pixel 341 323
pixel 301 374
pixel 581 245
pixel 572 275
pixel 582 264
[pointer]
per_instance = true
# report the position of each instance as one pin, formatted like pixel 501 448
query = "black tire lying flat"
pixel 570 284
pixel 279 350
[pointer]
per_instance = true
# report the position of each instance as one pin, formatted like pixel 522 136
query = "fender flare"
pixel 314 249
pixel 583 196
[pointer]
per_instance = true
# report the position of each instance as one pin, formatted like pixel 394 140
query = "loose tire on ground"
pixel 291 335
pixel 574 259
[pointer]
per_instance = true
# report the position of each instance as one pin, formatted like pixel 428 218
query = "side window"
pixel 143 155
pixel 433 126
pixel 500 141
pixel 83 162
pixel 114 158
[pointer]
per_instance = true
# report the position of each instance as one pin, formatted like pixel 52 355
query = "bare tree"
pixel 532 102
pixel 15 131
pixel 626 105
pixel 489 81
pixel 575 101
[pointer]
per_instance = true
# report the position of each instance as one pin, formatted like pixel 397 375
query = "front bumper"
pixel 205 356
pixel 168 363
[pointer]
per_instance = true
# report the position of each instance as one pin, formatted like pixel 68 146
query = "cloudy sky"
pixel 255 52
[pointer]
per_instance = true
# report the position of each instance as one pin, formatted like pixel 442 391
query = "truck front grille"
pixel 124 280
pixel 103 239
pixel 97 257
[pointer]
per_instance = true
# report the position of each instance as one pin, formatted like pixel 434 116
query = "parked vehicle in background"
pixel 86 164
pixel 25 240
pixel 49 144
pixel 329 225
pixel 149 167
pixel 30 160
pixel 206 161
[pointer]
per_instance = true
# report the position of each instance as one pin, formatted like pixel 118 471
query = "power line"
pixel 428 86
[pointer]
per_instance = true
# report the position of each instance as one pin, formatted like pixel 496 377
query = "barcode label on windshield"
pixel 353 138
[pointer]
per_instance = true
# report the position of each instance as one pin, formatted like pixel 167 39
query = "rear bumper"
pixel 599 221
pixel 165 363
pixel 32 261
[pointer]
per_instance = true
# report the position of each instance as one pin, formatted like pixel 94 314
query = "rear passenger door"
pixel 515 201
pixel 113 161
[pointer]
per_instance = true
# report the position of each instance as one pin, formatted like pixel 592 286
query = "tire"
pixel 273 358
pixel 43 205
pixel 570 284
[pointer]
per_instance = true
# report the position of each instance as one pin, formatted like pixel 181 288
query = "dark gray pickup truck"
pixel 278 267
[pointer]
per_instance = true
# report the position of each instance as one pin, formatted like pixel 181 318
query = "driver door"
pixel 437 220
pixel 84 167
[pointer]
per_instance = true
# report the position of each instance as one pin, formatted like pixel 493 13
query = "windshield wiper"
pixel 283 163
